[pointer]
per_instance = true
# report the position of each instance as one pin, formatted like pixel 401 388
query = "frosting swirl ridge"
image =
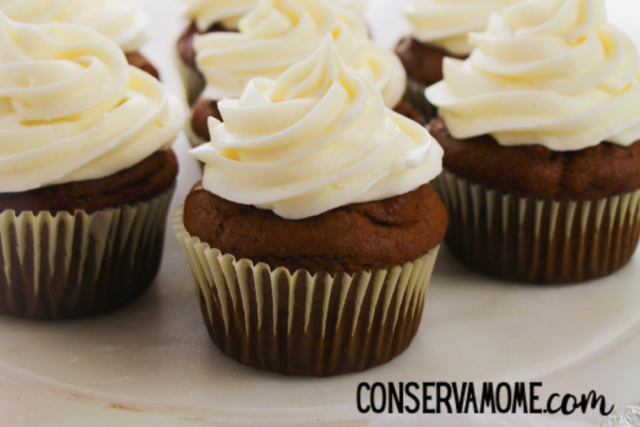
pixel 548 72
pixel 72 109
pixel 447 23
pixel 317 138
pixel 205 13
pixel 280 33
pixel 122 24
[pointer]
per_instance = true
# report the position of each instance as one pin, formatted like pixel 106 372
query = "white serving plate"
pixel 153 364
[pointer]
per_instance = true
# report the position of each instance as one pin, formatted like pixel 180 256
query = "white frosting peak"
pixel 447 23
pixel 205 13
pixel 229 12
pixel 317 138
pixel 72 109
pixel 122 24
pixel 280 33
pixel 548 72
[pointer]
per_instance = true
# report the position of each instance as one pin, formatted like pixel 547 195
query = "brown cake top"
pixel 422 61
pixel 367 236
pixel 140 182
pixel 536 171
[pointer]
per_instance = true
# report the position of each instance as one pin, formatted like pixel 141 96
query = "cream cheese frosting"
pixel 317 138
pixel 549 72
pixel 280 33
pixel 205 13
pixel 447 23
pixel 72 109
pixel 122 24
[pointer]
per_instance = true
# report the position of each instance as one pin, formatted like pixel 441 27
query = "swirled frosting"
pixel 317 138
pixel 280 33
pixel 205 13
pixel 548 72
pixel 72 109
pixel 447 23
pixel 122 24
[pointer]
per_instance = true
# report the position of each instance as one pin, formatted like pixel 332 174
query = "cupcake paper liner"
pixel 58 266
pixel 306 324
pixel 538 240
pixel 193 82
pixel 415 95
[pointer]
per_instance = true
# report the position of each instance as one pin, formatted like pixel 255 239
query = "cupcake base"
pixel 76 265
pixel 303 324
pixel 538 240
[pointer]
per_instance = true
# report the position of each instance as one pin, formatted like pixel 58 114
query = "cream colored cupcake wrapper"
pixel 415 96
pixel 74 265
pixel 538 240
pixel 193 82
pixel 304 324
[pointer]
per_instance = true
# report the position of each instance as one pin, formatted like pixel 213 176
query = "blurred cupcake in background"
pixel 211 16
pixel 205 17
pixel 541 132
pixel 86 172
pixel 440 30
pixel 278 34
pixel 314 232
pixel 121 23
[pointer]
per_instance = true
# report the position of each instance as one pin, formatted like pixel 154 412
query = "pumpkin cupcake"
pixel 540 128
pixel 211 16
pixel 122 24
pixel 278 34
pixel 440 30
pixel 86 172
pixel 313 234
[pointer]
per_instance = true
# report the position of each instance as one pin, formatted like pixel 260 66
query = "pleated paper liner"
pixel 75 265
pixel 415 95
pixel 538 240
pixel 192 80
pixel 303 324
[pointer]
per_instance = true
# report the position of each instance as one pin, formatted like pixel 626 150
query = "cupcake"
pixel 122 24
pixel 313 234
pixel 540 128
pixel 86 172
pixel 212 16
pixel 440 30
pixel 279 34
